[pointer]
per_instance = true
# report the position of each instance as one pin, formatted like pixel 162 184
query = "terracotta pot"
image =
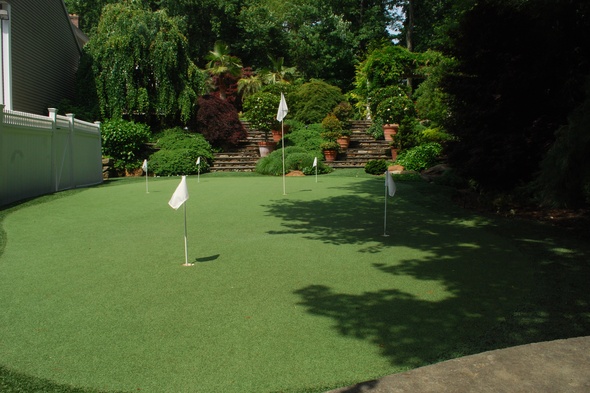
pixel 344 141
pixel 394 153
pixel 266 147
pixel 389 130
pixel 276 135
pixel 330 155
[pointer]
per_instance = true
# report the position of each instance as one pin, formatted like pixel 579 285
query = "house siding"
pixel 45 55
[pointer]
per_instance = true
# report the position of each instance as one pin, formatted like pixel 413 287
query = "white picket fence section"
pixel 45 154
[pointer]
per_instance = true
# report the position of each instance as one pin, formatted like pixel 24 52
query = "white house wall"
pixel 45 55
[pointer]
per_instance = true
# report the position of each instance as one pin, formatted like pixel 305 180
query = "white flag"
pixel 199 161
pixel 389 183
pixel 180 195
pixel 282 109
pixel 315 162
pixel 144 166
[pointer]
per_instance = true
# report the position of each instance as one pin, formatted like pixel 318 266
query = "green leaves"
pixel 141 64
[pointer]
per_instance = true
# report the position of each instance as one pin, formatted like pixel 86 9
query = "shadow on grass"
pixel 506 282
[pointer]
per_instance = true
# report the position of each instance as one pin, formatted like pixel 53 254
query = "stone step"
pixel 362 148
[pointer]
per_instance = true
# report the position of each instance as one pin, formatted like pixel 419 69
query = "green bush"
pixel 420 157
pixel 376 167
pixel 296 159
pixel 312 101
pixel 178 153
pixel 307 137
pixel 376 129
pixel 124 141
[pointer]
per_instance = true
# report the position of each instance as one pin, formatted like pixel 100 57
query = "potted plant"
pixel 261 110
pixel 392 110
pixel 333 131
pixel 330 149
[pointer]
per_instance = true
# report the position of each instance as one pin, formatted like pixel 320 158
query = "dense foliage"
pixel 141 65
pixel 260 109
pixel 296 159
pixel 420 157
pixel 521 69
pixel 124 141
pixel 218 121
pixel 376 167
pixel 312 101
pixel 178 153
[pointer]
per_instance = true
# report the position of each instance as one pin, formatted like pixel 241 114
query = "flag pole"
pixel 385 211
pixel 316 170
pixel 186 241
pixel 144 166
pixel 283 149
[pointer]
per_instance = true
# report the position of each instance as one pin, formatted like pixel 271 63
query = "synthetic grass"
pixel 290 293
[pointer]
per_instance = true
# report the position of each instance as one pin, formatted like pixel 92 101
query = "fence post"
pixel 53 117
pixel 71 147
pixel 2 158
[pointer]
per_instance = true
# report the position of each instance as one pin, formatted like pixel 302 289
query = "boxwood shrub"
pixel 179 150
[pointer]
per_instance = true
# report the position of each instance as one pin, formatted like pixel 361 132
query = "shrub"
pixel 124 141
pixel 331 125
pixel 376 167
pixel 312 101
pixel 178 153
pixel 420 157
pixel 307 137
pixel 376 129
pixel 394 109
pixel 218 121
pixel 260 109
pixel 296 158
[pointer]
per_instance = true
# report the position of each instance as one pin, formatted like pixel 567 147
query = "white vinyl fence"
pixel 45 154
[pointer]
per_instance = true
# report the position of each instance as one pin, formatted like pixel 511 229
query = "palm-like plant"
pixel 223 67
pixel 278 73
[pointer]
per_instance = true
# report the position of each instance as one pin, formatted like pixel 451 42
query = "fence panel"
pixel 40 155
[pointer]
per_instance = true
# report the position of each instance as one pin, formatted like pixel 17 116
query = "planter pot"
pixel 389 130
pixel 344 141
pixel 266 147
pixel 394 153
pixel 330 155
pixel 276 135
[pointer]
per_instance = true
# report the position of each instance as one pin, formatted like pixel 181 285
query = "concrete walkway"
pixel 561 366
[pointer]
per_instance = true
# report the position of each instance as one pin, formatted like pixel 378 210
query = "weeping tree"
pixel 141 65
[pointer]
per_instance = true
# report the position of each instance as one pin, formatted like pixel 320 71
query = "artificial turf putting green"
pixel 291 293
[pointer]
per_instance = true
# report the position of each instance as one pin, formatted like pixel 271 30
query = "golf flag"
pixel 282 109
pixel 144 166
pixel 389 184
pixel 315 162
pixel 199 160
pixel 180 195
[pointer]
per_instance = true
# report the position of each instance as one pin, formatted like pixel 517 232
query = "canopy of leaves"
pixel 141 65
pixel 521 71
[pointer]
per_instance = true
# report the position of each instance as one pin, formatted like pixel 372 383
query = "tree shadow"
pixel 506 282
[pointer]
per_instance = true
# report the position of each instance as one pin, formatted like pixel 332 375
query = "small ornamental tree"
pixel 260 109
pixel 218 121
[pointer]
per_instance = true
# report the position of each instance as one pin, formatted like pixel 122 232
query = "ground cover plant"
pixel 291 293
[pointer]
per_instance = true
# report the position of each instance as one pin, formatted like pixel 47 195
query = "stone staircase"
pixel 362 148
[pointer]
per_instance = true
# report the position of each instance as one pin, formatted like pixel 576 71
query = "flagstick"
pixel 385 214
pixel 186 241
pixel 283 148
pixel 146 182
pixel 199 174
pixel 316 171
